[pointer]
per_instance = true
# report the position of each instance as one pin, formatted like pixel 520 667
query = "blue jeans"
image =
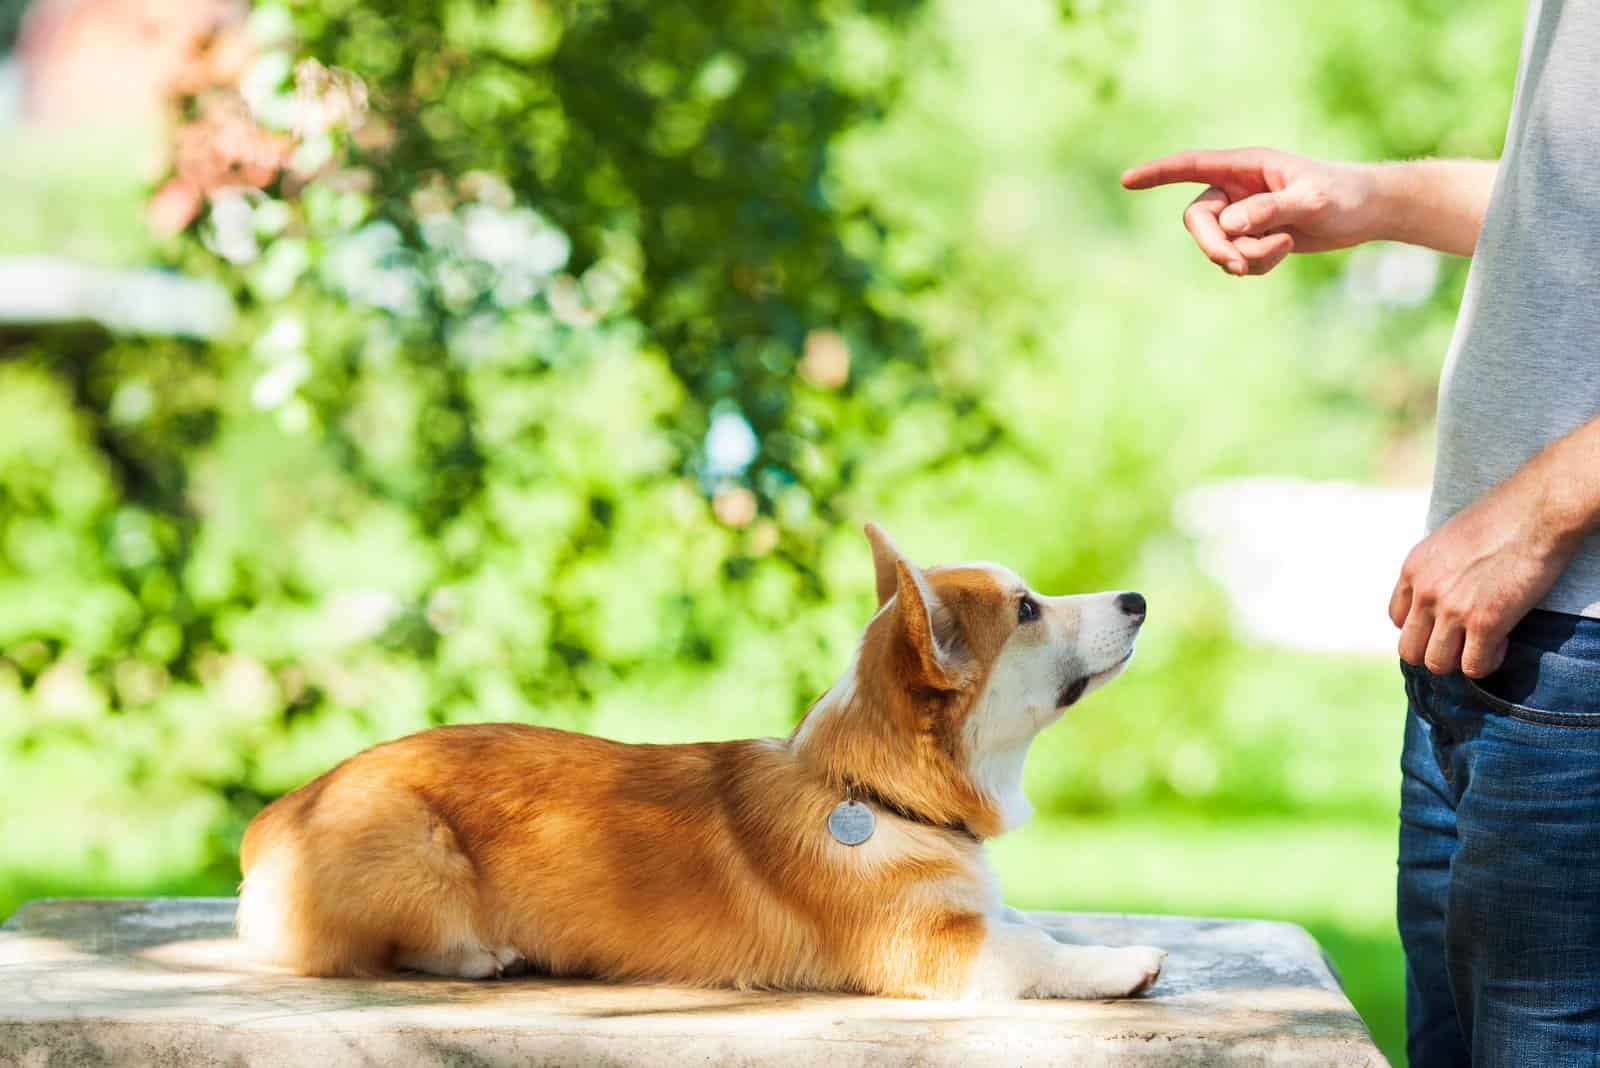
pixel 1499 884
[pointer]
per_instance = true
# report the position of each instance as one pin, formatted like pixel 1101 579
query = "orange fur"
pixel 466 849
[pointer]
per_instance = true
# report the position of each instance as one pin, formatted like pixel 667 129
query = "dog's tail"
pixel 266 898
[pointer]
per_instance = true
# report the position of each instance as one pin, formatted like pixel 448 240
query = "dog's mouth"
pixel 1079 686
pixel 1073 691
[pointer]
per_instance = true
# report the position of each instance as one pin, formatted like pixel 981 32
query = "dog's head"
pixel 957 672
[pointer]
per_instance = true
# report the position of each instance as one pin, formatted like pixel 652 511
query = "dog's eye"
pixel 1027 609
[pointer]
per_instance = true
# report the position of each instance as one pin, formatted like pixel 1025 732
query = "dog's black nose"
pixel 1132 604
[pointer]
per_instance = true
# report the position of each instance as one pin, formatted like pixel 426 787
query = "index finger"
pixel 1211 166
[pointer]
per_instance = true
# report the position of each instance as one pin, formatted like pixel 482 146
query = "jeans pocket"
pixel 1550 717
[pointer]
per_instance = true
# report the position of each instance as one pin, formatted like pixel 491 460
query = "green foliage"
pixel 682 150
pixel 10 21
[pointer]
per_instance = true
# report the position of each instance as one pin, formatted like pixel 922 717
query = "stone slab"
pixel 162 982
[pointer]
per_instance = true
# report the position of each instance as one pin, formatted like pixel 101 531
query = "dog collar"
pixel 852 820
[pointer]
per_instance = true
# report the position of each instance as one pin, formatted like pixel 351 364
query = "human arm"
pixel 1261 204
pixel 1436 203
pixel 1464 586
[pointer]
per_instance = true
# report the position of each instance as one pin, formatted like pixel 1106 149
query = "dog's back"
pixel 464 850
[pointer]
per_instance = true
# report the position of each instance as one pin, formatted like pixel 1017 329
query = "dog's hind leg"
pixel 329 894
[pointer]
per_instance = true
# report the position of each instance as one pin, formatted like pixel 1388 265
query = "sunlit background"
pixel 366 366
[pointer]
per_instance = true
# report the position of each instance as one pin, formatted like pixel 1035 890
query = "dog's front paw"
pixel 1123 972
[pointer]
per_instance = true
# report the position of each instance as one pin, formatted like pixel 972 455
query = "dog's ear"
pixel 885 555
pixel 899 576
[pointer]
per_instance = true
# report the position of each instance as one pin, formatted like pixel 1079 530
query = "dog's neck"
pixel 861 742
pixel 998 774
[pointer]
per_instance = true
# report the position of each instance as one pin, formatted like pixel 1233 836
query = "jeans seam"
pixel 1438 730
pixel 1567 720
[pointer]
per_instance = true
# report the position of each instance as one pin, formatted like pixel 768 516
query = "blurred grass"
pixel 1333 877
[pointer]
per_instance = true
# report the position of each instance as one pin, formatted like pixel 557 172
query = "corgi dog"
pixel 847 857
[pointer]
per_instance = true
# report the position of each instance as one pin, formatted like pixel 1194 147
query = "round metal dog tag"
pixel 851 822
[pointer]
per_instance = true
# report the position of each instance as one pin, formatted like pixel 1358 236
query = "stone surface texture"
pixel 162 982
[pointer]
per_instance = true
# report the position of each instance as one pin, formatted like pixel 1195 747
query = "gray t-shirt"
pixel 1524 364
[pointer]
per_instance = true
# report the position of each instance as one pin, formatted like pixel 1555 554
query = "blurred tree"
pixel 683 151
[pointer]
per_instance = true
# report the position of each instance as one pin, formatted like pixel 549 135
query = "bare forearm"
pixel 1437 203
pixel 1567 474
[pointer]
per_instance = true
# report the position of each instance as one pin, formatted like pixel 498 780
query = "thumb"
pixel 1263 212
